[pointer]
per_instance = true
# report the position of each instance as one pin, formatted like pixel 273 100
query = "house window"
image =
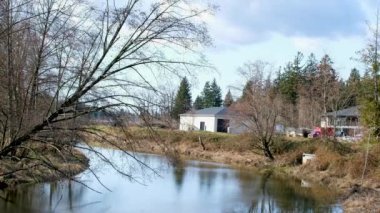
pixel 202 126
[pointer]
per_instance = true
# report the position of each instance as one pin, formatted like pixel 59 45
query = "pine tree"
pixel 182 101
pixel 369 103
pixel 207 96
pixel 291 79
pixel 198 103
pixel 228 100
pixel 216 94
pixel 310 70
pixel 353 87
pixel 211 96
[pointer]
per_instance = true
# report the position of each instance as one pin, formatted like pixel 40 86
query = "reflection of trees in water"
pixel 285 195
pixel 249 183
pixel 207 178
pixel 264 201
pixel 179 174
pixel 42 198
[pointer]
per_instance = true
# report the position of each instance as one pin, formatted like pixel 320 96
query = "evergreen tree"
pixel 211 95
pixel 297 63
pixel 198 103
pixel 354 76
pixel 370 105
pixel 228 100
pixel 310 70
pixel 207 96
pixel 353 87
pixel 289 83
pixel 366 86
pixel 291 79
pixel 216 94
pixel 182 101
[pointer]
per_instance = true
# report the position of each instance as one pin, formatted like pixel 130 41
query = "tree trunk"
pixel 267 151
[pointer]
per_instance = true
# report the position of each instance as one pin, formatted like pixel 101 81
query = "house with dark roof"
pixel 346 121
pixel 214 119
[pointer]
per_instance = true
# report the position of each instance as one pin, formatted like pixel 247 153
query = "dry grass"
pixel 39 163
pixel 362 200
pixel 325 159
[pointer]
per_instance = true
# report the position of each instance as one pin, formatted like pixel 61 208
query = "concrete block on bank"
pixel 307 157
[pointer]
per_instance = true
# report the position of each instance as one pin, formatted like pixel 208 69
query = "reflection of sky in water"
pixel 197 187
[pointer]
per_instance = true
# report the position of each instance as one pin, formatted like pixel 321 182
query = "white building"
pixel 215 119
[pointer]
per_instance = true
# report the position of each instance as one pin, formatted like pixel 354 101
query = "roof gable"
pixel 213 111
pixel 351 111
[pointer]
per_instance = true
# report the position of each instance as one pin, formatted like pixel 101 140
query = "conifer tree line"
pixel 310 88
pixel 297 95
pixel 211 96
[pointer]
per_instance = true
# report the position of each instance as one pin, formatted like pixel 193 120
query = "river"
pixel 196 187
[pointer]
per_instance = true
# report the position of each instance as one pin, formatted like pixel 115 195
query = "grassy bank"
pixel 41 163
pixel 337 165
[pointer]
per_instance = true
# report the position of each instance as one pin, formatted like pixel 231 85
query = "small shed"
pixel 214 119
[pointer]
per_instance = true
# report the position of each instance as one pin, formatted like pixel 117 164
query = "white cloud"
pixel 305 44
pixel 250 21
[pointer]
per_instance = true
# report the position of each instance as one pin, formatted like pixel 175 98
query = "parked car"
pixel 315 133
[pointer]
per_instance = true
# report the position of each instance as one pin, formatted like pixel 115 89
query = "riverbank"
pixel 337 166
pixel 41 163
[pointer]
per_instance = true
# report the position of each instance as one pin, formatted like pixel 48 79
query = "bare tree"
pixel 260 113
pixel 65 59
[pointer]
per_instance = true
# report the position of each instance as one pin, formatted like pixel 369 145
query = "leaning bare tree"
pixel 63 60
pixel 260 113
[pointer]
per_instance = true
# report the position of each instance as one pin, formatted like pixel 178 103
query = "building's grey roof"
pixel 213 111
pixel 348 112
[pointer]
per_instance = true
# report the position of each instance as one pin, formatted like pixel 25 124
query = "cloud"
pixel 249 21
pixel 305 44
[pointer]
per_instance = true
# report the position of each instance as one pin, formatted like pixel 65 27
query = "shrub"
pixel 325 158
pixel 281 145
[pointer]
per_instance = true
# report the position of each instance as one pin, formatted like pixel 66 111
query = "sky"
pixel 275 30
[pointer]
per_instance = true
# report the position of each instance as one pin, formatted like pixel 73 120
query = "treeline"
pixel 308 86
pixel 312 87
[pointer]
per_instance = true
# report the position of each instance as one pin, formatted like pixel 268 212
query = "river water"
pixel 195 187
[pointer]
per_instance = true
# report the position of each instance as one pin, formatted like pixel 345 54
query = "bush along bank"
pixel 41 163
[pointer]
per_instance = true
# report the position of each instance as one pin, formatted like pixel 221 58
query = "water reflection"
pixel 192 187
pixel 179 176
pixel 207 179
pixel 43 198
pixel 275 195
